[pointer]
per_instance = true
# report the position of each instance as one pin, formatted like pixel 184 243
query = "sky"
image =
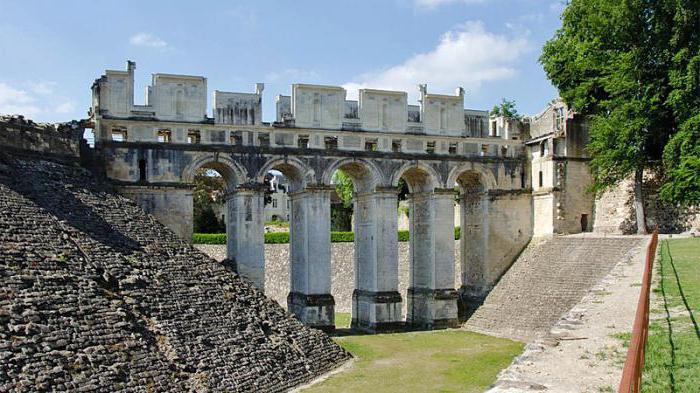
pixel 52 51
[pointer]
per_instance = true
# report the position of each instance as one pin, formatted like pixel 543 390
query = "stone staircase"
pixel 548 278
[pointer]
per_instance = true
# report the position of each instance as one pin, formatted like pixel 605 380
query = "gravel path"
pixel 582 352
pixel 342 283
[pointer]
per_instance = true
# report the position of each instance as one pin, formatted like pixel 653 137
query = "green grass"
pixel 440 361
pixel 672 362
pixel 283 237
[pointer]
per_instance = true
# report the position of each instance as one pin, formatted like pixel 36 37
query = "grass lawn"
pixel 440 361
pixel 673 350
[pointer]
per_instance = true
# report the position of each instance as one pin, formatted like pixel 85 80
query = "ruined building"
pixel 443 151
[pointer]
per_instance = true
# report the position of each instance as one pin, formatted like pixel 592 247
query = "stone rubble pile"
pixel 95 295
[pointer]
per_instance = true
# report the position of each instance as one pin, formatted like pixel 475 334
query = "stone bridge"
pixel 444 153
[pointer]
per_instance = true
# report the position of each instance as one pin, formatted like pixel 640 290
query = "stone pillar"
pixel 245 240
pixel 376 302
pixel 310 258
pixel 473 245
pixel 432 299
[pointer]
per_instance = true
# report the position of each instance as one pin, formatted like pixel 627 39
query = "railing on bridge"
pixel 632 373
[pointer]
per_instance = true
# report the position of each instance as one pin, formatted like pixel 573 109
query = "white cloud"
pixel 557 7
pixel 430 4
pixel 292 75
pixel 147 40
pixel 467 56
pixel 37 101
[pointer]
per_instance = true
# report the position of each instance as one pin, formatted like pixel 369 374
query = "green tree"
pixel 343 187
pixel 682 153
pixel 506 108
pixel 208 190
pixel 610 61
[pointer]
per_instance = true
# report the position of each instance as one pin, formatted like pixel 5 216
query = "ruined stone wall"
pixel 614 210
pixel 57 141
pixel 98 296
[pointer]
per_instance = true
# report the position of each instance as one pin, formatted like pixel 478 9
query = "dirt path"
pixel 584 351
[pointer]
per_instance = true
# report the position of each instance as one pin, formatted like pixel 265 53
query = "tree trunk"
pixel 639 202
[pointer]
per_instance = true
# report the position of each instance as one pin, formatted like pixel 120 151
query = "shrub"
pixel 283 237
pixel 277 238
pixel 342 237
pixel 209 238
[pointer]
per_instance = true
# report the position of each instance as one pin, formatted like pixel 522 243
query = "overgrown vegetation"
pixel 633 68
pixel 441 361
pixel 672 362
pixel 283 237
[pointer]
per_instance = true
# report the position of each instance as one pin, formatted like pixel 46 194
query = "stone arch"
pixel 298 173
pixel 419 177
pixel 366 175
pixel 485 175
pixel 232 173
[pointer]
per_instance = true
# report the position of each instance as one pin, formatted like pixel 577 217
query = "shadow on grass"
pixel 671 376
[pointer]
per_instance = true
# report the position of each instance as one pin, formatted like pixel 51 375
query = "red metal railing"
pixel 632 373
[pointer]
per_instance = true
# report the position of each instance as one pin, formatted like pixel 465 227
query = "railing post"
pixel 634 365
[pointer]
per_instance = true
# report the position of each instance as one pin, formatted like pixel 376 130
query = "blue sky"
pixel 53 50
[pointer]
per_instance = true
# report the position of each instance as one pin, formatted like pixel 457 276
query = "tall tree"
pixel 610 62
pixel 505 108
pixel 682 153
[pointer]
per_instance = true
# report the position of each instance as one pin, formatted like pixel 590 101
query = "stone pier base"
pixel 376 312
pixel 316 311
pixel 432 308
pixel 470 299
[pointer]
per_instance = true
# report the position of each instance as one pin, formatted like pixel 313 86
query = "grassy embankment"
pixel 672 362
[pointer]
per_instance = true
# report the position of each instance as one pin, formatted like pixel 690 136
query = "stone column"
pixel 310 258
pixel 432 299
pixel 473 245
pixel 245 240
pixel 376 302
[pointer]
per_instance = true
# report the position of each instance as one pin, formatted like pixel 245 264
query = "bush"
pixel 209 238
pixel 342 237
pixel 283 237
pixel 277 238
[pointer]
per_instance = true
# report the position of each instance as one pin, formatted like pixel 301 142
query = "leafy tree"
pixel 682 153
pixel 208 190
pixel 610 61
pixel 506 108
pixel 343 187
pixel 682 161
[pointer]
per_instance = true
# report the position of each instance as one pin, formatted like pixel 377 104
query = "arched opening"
pixel 473 209
pixel 209 202
pixel 431 300
pixel 354 208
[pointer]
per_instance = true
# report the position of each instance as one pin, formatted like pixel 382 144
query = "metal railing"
pixel 632 373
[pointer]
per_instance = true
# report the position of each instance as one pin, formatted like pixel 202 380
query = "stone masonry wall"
pixel 342 271
pixel 60 141
pixel 95 295
pixel 614 210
